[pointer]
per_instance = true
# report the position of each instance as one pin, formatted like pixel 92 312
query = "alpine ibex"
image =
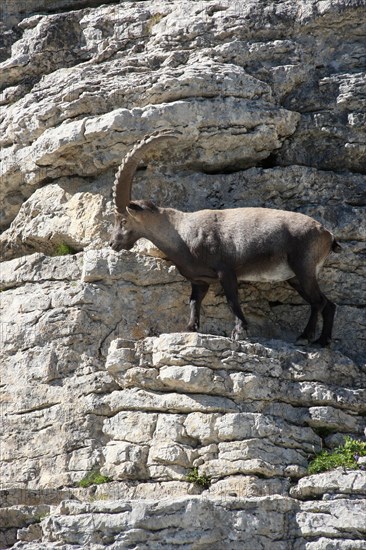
pixel 246 244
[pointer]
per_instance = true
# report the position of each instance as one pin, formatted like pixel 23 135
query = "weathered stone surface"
pixel 15 517
pixel 151 70
pixel 331 484
pixel 269 97
pixel 238 396
pixel 54 216
pixel 148 411
pixel 192 522
pixel 138 429
pixel 197 522
pixel 243 82
pixel 330 544
pixel 347 517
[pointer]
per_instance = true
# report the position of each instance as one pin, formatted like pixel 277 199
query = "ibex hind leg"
pixel 198 293
pixel 308 288
pixel 229 284
pixel 309 331
pixel 328 314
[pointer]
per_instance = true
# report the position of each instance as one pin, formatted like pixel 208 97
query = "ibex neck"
pixel 165 233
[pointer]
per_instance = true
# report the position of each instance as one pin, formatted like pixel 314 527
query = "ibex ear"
pixel 135 207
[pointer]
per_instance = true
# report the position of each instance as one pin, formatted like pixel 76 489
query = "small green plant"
pixel 199 479
pixel 63 250
pixel 154 20
pixel 93 478
pixel 345 456
pixel 40 517
pixel 94 498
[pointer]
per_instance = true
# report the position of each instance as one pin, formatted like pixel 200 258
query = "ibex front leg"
pixel 199 291
pixel 229 283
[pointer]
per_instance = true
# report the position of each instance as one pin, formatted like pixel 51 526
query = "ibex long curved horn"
pixel 124 175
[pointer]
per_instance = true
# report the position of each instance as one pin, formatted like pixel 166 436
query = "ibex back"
pixel 246 244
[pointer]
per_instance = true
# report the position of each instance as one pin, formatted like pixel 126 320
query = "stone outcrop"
pixel 96 395
pixel 270 103
pixel 202 442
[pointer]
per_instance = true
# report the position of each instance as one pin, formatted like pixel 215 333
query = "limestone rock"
pixel 95 377
pixel 207 523
pixel 347 517
pixel 330 485
pixel 151 410
pixel 180 522
pixel 152 71
pixel 242 102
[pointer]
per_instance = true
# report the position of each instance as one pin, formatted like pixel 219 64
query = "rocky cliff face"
pixel 270 100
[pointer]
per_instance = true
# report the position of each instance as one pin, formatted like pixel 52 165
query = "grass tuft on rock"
pixel 199 479
pixel 154 20
pixel 345 456
pixel 63 249
pixel 93 478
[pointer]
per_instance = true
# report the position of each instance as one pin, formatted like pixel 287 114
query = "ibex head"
pixel 131 215
pixel 129 227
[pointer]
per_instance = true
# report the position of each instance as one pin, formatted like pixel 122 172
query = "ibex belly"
pixel 265 274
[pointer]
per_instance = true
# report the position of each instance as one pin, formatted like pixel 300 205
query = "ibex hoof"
pixel 302 341
pixel 239 334
pixel 305 339
pixel 323 342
